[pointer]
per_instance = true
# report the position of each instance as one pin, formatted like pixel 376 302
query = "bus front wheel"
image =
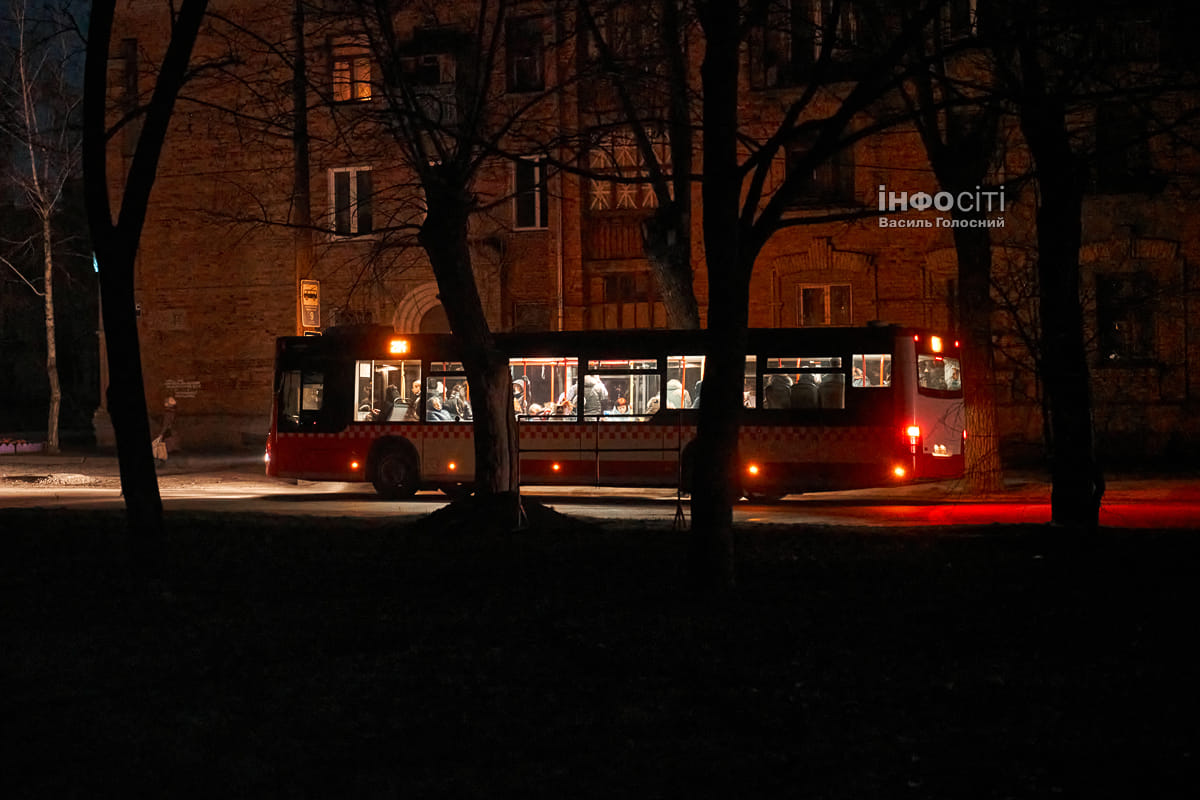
pixel 395 476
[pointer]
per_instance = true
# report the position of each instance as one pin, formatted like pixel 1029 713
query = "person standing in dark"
pixel 166 433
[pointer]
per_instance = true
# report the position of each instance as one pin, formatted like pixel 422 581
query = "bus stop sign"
pixel 310 304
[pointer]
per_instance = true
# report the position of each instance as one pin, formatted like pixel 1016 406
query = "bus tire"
pixel 395 475
pixel 458 491
pixel 764 497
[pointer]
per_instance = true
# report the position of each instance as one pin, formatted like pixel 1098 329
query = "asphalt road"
pixel 237 484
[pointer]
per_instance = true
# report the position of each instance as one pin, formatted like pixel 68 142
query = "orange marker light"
pixel 353 465
pixel 452 466
pixel 752 469
pixel 935 344
pixel 898 471
pixel 556 467
pixel 398 346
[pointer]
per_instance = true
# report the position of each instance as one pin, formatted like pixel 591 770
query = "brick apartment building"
pixel 225 248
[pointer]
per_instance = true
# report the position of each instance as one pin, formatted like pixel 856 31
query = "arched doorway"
pixel 435 321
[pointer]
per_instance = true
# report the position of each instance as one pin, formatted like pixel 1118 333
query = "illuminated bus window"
pixel 637 380
pixel 684 374
pixel 939 373
pixel 544 389
pixel 872 370
pixel 749 384
pixel 817 363
pixel 301 394
pixel 806 383
pixel 386 389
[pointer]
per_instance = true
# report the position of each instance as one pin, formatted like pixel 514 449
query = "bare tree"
pixel 116 245
pixel 741 214
pixel 641 59
pixel 39 109
pixel 955 110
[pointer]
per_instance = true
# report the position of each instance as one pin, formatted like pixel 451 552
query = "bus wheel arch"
pixel 394 468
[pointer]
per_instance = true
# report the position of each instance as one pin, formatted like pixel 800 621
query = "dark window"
pixel 958 18
pixel 533 317
pixel 625 300
pixel 351 190
pixel 524 50
pixel 797 34
pixel 1122 152
pixel 829 182
pixel 827 304
pixel 532 204
pixel 1124 319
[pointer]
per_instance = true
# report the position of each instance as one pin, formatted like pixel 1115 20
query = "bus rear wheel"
pixel 395 476
pixel 764 497
pixel 458 491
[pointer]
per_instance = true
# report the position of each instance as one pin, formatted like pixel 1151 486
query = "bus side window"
pixel 831 392
pixel 289 397
pixel 872 370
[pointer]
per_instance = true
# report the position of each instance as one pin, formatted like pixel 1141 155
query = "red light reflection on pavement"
pixel 1116 515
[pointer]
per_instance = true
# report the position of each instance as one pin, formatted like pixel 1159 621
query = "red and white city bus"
pixel 826 408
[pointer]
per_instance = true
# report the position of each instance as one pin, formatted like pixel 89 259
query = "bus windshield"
pixel 939 373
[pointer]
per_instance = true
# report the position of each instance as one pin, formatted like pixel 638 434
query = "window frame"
pixel 528 32
pixel 1131 303
pixel 537 189
pixel 355 56
pixel 353 207
pixel 827 305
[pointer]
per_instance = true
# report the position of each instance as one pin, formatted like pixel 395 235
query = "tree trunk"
pixel 127 407
pixel 444 238
pixel 984 473
pixel 716 485
pixel 667 243
pixel 1078 484
pixel 52 444
pixel 116 248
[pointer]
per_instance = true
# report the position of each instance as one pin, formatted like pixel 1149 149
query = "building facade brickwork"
pixel 219 266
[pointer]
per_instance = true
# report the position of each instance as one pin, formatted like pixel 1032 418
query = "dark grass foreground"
pixel 309 658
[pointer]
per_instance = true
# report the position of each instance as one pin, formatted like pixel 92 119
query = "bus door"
pixel 305 425
pixel 545 397
pixel 446 437
pixel 633 428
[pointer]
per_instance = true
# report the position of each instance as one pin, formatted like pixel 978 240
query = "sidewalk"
pixel 104 465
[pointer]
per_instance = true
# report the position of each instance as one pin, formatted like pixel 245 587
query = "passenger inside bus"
pixel 390 398
pixel 777 393
pixel 457 404
pixel 414 412
pixel 677 396
pixel 804 391
pixel 435 412
pixel 620 408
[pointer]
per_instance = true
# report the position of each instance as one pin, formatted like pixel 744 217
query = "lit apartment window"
pixel 350 192
pixel 524 49
pixel 530 203
pixel 825 304
pixel 351 72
